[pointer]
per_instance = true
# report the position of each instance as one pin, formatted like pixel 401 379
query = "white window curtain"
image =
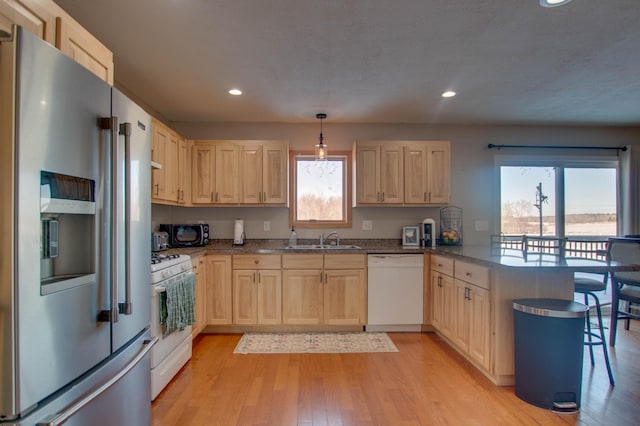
pixel 629 222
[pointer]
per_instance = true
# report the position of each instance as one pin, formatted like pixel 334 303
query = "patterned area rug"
pixel 278 343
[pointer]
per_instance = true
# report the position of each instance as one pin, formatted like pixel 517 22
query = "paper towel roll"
pixel 238 232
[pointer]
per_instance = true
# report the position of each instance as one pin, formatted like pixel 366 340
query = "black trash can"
pixel 549 348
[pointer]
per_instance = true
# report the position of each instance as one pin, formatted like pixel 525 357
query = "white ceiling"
pixel 375 61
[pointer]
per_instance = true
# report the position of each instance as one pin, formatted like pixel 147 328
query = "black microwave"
pixel 187 235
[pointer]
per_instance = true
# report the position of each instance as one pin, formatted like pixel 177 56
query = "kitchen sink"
pixel 323 247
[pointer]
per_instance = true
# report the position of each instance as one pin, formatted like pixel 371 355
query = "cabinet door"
pixel 343 296
pixel 391 173
pixel 437 300
pixel 77 43
pixel 302 297
pixel 226 174
pixel 245 297
pixel 160 140
pixel 415 173
pixel 275 157
pixel 218 289
pixel 480 326
pixel 269 297
pixel 203 173
pixel 448 306
pixel 368 173
pixel 251 176
pixel 199 268
pixel 183 171
pixel 171 166
pixel 461 320
pixel 36 16
pixel 439 173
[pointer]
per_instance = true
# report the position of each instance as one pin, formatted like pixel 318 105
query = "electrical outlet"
pixel 367 225
pixel 267 226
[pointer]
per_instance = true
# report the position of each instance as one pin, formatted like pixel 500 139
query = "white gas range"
pixel 173 349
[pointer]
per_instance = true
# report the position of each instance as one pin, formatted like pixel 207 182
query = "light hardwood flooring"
pixel 425 383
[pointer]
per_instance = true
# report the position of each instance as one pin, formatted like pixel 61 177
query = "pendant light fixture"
pixel 321 148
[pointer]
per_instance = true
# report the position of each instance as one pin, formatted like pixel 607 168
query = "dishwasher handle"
pixel 395 260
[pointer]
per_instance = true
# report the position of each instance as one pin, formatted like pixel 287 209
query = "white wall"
pixel 474 178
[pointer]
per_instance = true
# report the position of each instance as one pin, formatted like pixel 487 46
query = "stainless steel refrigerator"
pixel 74 247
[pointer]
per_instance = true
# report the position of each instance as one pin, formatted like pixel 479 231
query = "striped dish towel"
pixel 177 302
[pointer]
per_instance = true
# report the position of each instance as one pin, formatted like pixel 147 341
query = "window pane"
pixel 524 208
pixel 320 190
pixel 590 201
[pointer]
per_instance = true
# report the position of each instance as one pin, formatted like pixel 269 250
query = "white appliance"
pixel 395 292
pixel 76 179
pixel 173 349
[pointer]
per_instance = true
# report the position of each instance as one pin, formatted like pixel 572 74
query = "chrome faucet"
pixel 331 234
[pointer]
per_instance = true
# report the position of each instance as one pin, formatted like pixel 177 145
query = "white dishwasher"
pixel 395 292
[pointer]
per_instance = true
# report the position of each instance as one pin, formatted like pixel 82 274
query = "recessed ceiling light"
pixel 235 92
pixel 449 94
pixel 553 3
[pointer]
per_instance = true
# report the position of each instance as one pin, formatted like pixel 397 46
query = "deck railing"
pixel 585 247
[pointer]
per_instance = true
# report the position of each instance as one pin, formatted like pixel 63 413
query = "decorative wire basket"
pixel 450 226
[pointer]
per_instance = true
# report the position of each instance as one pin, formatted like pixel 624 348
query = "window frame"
pixel 561 162
pixel 347 190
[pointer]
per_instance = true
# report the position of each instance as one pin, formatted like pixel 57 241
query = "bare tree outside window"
pixel 321 192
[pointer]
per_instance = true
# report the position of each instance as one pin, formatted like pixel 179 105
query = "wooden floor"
pixel 425 383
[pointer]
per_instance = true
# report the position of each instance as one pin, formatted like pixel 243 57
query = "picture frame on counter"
pixel 410 236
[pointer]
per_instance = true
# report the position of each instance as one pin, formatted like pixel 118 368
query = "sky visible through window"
pixel 590 200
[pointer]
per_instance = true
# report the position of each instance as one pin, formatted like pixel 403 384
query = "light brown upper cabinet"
pixel 439 172
pixel 379 173
pixel 427 173
pixel 51 23
pixel 402 172
pixel 169 184
pixel 77 43
pixel 36 16
pixel 240 172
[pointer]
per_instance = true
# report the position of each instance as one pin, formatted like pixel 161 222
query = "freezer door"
pixel 133 218
pixel 56 335
pixel 118 392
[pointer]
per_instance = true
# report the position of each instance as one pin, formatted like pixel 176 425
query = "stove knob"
pixel 165 274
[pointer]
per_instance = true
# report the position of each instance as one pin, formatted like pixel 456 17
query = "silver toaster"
pixel 159 241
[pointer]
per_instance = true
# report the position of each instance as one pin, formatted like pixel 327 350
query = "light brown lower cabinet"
pixel 218 289
pixel 324 289
pixel 257 289
pixel 200 302
pixel 461 307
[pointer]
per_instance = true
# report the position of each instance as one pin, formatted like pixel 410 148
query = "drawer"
pixel 302 261
pixel 472 273
pixel 256 261
pixel 442 264
pixel 345 261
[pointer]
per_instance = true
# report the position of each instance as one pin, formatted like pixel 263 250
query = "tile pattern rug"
pixel 278 343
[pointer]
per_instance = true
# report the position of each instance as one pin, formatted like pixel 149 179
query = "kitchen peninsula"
pixel 468 290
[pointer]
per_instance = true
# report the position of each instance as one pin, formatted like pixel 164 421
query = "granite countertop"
pixel 483 255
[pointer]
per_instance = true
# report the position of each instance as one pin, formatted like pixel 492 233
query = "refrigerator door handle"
pixel 126 308
pixel 67 412
pixel 111 124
